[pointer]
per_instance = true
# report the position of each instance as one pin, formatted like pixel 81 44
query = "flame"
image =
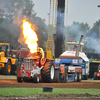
pixel 30 36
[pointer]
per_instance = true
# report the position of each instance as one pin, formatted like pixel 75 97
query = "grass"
pixel 7 76
pixel 37 91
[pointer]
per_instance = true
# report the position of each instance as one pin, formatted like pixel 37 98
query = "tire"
pixel 84 77
pixel 25 79
pixel 36 78
pixel 14 69
pixel 61 78
pixel 99 67
pixel 66 79
pixel 75 77
pixel 56 78
pixel 19 79
pixel 79 76
pixel 7 68
pixel 48 72
pixel 95 75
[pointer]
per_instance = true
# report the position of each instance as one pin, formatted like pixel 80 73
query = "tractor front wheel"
pixel 19 79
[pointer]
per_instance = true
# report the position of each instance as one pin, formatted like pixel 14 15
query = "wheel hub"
pixel 52 72
pixel 9 68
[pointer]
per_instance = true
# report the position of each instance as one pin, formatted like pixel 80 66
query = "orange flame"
pixel 30 36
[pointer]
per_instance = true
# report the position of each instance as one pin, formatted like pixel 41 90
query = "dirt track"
pixel 6 82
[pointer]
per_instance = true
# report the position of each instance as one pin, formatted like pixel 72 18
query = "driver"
pixel 75 47
pixel 39 53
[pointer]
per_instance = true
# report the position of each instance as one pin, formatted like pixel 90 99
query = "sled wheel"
pixel 66 76
pixel 75 77
pixel 79 76
pixel 57 76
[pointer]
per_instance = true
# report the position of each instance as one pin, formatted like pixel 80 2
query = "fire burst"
pixel 30 36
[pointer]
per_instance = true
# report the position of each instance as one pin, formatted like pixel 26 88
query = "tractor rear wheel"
pixel 7 68
pixel 48 72
pixel 14 69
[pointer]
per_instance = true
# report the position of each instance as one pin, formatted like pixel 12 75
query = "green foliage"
pixel 37 91
pixel 8 32
pixel 92 42
pixel 91 37
pixel 12 12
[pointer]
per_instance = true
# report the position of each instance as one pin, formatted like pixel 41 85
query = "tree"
pixel 12 12
pixel 93 38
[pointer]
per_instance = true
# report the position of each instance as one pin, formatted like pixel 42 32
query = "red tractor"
pixel 36 67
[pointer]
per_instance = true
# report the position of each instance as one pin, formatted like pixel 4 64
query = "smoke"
pixel 74 32
pixel 93 43
pixel 90 38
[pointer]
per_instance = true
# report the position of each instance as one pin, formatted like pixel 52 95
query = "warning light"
pixel 75 41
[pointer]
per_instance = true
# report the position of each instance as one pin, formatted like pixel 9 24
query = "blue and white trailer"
pixel 69 66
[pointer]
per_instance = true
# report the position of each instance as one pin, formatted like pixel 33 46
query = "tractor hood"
pixel 71 54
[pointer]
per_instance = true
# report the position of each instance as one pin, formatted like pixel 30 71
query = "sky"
pixel 86 11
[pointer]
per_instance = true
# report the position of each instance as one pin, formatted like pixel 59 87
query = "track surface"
pixel 11 81
pixel 6 82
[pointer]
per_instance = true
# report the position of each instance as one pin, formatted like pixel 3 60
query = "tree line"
pixel 12 12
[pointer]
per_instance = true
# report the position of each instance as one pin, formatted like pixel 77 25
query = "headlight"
pixel 74 61
pixel 57 60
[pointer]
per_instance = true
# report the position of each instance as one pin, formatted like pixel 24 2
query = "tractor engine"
pixel 31 65
pixel 30 69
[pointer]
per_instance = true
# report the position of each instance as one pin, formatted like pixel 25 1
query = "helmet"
pixel 38 49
